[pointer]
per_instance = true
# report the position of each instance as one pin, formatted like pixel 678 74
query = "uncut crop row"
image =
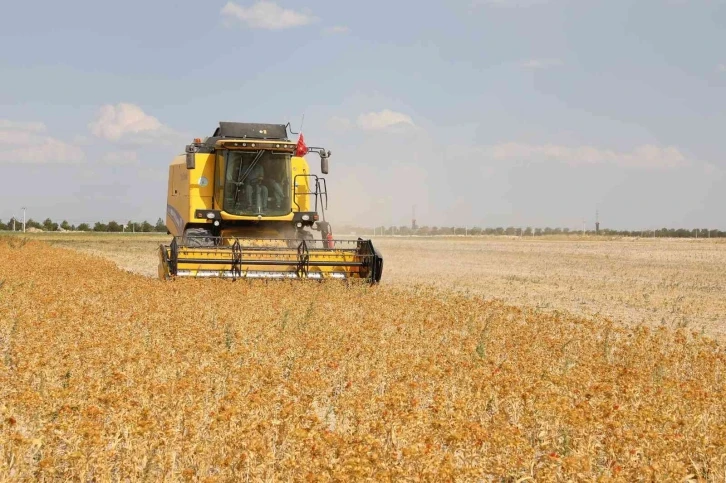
pixel 108 375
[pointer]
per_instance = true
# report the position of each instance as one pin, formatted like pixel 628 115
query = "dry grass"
pixel 105 375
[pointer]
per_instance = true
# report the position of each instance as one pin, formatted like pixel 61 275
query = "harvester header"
pixel 243 203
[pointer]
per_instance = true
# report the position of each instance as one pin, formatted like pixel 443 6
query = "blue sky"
pixel 479 112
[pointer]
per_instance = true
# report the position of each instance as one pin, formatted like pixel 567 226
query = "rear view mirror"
pixel 324 162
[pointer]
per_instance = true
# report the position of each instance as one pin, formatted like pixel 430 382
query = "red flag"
pixel 301 149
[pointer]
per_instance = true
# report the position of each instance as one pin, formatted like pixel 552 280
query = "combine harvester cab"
pixel 243 204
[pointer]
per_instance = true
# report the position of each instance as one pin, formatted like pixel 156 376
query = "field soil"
pixel 106 375
pixel 671 282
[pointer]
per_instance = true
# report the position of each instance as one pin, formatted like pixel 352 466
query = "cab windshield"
pixel 257 183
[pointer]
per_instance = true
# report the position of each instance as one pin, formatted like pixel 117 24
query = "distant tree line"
pixel 146 227
pixel 528 231
pixel 111 226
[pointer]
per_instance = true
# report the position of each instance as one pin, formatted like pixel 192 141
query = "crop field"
pixel 671 282
pixel 476 360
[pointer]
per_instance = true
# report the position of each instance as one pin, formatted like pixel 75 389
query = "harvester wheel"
pixel 198 237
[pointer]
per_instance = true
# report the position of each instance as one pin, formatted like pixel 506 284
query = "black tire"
pixel 198 237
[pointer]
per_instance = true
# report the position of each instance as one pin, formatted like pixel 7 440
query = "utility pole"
pixel 23 219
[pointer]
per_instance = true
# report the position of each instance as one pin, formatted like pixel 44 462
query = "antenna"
pixel 289 126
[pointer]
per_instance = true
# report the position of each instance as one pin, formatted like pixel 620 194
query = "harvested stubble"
pixel 107 375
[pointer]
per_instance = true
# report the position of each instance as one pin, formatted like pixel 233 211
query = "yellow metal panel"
pixel 300 166
pixel 177 207
pixel 288 217
pixel 201 185
pixel 219 173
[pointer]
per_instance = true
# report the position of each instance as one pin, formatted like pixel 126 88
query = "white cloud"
pixel 27 142
pixel 337 29
pixel 21 126
pixel 339 123
pixel 646 156
pixel 721 68
pixel 120 158
pixel 383 120
pixel 81 140
pixel 128 123
pixel 541 63
pixel 266 15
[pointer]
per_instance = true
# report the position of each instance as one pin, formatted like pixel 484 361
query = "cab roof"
pixel 244 130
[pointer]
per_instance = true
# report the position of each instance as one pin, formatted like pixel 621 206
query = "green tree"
pixel 84 227
pixel 48 225
pixel 147 227
pixel 98 226
pixel 65 225
pixel 160 226
pixel 3 226
pixel 114 227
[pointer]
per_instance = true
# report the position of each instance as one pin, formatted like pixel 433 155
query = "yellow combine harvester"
pixel 242 204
